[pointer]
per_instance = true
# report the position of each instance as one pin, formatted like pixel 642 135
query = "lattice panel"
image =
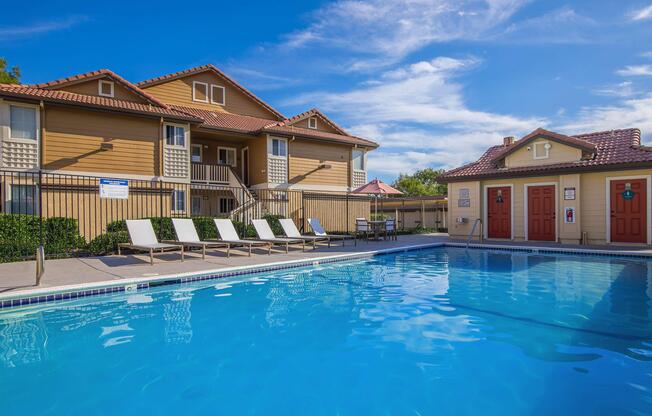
pixel 359 178
pixel 277 170
pixel 19 155
pixel 176 162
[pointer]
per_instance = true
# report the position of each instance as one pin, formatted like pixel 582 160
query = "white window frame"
pixel 485 207
pixel 312 123
pixel 213 101
pixel 364 160
pixel 37 114
pixel 99 88
pixel 201 153
pixel 270 150
pixel 186 135
pixel 558 217
pixel 231 149
pixel 175 194
pixel 194 88
pixel 546 147
pixel 9 197
pixel 648 202
pixel 194 198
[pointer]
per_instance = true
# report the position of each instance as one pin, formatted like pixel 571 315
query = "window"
pixel 226 156
pixel 218 95
pixel 226 205
pixel 105 88
pixel 196 205
pixel 358 159
pixel 279 148
pixel 179 201
pixel 312 123
pixel 196 153
pixel 175 135
pixel 23 199
pixel 541 150
pixel 23 122
pixel 200 91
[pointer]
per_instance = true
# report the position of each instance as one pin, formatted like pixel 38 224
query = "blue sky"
pixel 435 82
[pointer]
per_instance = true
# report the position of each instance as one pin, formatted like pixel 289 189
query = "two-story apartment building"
pixel 593 188
pixel 196 127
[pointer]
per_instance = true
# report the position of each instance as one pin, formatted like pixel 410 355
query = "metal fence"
pixel 36 206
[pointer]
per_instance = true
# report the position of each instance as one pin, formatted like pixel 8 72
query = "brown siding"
pixel 306 157
pixel 179 92
pixel 92 88
pixel 73 139
pixel 258 160
pixel 321 125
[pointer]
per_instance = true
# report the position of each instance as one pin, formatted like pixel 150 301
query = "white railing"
pixel 210 173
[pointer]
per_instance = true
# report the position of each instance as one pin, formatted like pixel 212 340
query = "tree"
pixel 421 183
pixel 8 77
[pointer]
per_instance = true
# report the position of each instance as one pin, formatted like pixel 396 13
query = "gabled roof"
pixel 101 73
pixel 614 149
pixel 550 135
pixel 91 101
pixel 214 69
pixel 214 120
pixel 312 113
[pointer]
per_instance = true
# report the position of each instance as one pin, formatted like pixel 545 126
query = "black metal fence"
pixel 72 214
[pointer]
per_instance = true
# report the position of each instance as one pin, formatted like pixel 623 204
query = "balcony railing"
pixel 210 173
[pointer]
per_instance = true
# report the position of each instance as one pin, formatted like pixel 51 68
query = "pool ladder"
pixel 475 223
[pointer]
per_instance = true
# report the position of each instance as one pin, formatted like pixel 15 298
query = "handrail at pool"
pixel 475 223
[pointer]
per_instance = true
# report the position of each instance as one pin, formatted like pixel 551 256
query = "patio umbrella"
pixel 377 188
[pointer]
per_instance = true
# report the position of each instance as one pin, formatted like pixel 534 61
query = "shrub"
pixel 107 243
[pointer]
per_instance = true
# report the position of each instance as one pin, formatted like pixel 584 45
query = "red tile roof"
pixel 615 149
pixel 310 113
pixel 212 68
pixel 99 74
pixel 64 97
pixel 253 125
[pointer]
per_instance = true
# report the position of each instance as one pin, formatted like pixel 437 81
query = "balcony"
pixel 200 172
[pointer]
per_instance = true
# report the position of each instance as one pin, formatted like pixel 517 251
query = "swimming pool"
pixel 436 331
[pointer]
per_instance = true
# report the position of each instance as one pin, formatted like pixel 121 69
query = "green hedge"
pixel 20 236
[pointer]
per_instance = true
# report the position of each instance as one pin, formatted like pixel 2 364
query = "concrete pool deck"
pixel 17 280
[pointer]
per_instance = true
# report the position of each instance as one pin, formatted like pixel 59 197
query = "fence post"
pixel 160 197
pixel 303 212
pixel 40 251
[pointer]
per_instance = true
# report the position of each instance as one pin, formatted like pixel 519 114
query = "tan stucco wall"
pixel 590 204
pixel 558 153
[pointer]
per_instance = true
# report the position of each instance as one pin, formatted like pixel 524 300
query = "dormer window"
pixel 312 123
pixel 218 95
pixel 541 150
pixel 105 88
pixel 200 91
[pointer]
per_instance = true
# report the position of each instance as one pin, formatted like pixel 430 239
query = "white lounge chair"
pixel 265 233
pixel 228 234
pixel 143 238
pixel 290 229
pixel 188 237
pixel 320 232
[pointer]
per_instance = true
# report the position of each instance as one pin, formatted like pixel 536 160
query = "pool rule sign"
pixel 114 188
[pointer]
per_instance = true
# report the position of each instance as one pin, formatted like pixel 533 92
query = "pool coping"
pixel 129 285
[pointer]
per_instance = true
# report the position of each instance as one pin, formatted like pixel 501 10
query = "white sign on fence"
pixel 114 188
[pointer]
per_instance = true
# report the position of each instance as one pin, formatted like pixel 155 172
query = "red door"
pixel 499 212
pixel 541 215
pixel 629 216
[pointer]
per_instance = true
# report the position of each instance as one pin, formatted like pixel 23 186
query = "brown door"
pixel 499 212
pixel 629 216
pixel 541 213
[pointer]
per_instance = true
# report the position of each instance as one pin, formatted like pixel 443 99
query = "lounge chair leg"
pixel 314 244
pixel 182 254
pixel 119 251
pixel 249 250
pixel 329 243
pixel 151 256
pixel 287 248
pixel 228 251
pixel 269 249
pixel 203 252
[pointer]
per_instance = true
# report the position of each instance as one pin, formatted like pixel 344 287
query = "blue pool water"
pixel 440 331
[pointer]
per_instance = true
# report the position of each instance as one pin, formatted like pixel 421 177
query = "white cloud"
pixel 642 14
pixel 647 54
pixel 13 32
pixel 635 70
pixel 538 29
pixel 623 89
pixel 382 32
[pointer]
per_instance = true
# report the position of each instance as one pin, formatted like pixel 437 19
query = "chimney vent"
pixel 508 141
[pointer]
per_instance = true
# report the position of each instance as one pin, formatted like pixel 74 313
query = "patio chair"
pixel 143 238
pixel 362 228
pixel 228 234
pixel 319 231
pixel 390 229
pixel 291 231
pixel 265 233
pixel 188 237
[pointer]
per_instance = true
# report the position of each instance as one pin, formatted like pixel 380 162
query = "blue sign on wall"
pixel 628 194
pixel 114 188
